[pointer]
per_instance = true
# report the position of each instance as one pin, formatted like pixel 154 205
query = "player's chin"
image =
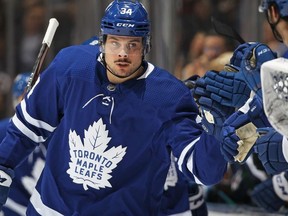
pixel 123 73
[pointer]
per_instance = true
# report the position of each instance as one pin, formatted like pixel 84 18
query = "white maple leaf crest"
pixel 90 164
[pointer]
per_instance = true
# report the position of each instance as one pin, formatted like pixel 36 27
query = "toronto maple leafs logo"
pixel 90 163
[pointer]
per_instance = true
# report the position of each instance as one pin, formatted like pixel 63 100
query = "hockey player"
pixel 115 119
pixel 180 197
pixel 271 146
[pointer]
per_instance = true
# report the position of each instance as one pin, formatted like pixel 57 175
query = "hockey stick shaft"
pixel 46 43
pixel 226 30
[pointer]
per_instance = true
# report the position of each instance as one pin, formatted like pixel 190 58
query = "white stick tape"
pixel 53 24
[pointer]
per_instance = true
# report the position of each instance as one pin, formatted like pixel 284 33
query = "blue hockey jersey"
pixel 110 149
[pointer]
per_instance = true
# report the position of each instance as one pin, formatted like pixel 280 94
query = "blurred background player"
pixel 30 170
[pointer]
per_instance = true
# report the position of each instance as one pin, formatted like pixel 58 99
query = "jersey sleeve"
pixel 198 154
pixel 36 117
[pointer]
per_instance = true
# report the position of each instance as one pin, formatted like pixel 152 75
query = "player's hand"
pixel 6 176
pixel 254 56
pixel 230 140
pixel 237 56
pixel 213 113
pixel 272 149
pixel 256 113
pixel 272 193
pixel 227 88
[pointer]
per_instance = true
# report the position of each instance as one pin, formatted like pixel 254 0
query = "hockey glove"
pixel 213 113
pixel 230 140
pixel 240 129
pixel 256 113
pixel 6 176
pixel 272 193
pixel 237 56
pixel 272 150
pixel 254 56
pixel 227 88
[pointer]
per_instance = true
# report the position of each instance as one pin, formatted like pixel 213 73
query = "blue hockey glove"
pixel 272 193
pixel 239 131
pixel 199 89
pixel 237 56
pixel 197 202
pixel 254 56
pixel 256 113
pixel 272 150
pixel 229 145
pixel 213 113
pixel 227 88
pixel 6 176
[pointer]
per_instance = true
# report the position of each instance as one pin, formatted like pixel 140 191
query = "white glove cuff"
pixel 280 186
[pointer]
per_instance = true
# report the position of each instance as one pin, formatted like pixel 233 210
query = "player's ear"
pixel 273 14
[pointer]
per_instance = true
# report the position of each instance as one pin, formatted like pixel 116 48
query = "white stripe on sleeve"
pixel 26 131
pixel 35 122
pixel 40 207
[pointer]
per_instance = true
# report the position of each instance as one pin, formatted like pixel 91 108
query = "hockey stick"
pixel 46 43
pixel 226 30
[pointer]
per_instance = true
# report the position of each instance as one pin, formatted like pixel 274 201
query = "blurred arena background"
pixel 175 23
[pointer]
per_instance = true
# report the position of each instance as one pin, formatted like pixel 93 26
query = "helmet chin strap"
pixel 119 76
pixel 273 27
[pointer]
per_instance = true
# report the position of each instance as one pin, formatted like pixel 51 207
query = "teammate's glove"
pixel 254 56
pixel 229 145
pixel 272 150
pixel 213 113
pixel 6 176
pixel 196 200
pixel 256 113
pixel 237 56
pixel 272 193
pixel 239 131
pixel 227 88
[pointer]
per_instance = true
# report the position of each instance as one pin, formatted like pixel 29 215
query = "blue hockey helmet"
pixel 19 85
pixel 126 18
pixel 281 4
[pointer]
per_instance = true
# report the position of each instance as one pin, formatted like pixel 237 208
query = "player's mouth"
pixel 122 64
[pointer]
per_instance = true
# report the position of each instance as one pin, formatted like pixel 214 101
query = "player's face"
pixel 123 54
